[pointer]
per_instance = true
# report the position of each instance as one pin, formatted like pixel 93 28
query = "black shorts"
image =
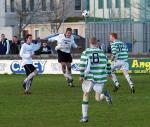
pixel 64 57
pixel 29 68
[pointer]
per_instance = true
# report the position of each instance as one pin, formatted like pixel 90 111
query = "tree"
pixel 26 14
pixel 58 13
pixel 140 10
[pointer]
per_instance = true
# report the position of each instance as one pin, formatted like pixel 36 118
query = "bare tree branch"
pixel 25 17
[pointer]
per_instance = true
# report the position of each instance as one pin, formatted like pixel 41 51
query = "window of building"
pixel 5 5
pixel 43 5
pixel 12 5
pixel 100 4
pixel 37 33
pixel 75 31
pixel 31 5
pixel 117 4
pixel 23 5
pixel 77 4
pixel 109 3
pixel 127 3
pixel 51 5
pixel 148 3
pixel 87 4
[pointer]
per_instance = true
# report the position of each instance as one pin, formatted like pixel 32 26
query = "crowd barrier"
pixel 51 66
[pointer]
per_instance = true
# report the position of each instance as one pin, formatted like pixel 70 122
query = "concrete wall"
pixel 119 13
pixel 45 29
pixel 8 31
pixel 11 19
pixel 2 13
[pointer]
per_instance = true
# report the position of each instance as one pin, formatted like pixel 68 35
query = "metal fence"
pixel 135 34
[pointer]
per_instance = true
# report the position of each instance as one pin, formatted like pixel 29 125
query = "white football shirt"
pixel 64 44
pixel 26 52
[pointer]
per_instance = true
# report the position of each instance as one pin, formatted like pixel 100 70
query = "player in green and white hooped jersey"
pixel 94 69
pixel 119 61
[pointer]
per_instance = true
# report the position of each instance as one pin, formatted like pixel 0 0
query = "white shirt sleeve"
pixel 36 46
pixel 8 47
pixel 74 45
pixel 23 54
pixel 59 46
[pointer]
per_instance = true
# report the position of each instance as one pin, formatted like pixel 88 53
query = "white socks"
pixel 84 109
pixel 128 78
pixel 129 81
pixel 30 76
pixel 28 85
pixel 114 78
pixel 66 75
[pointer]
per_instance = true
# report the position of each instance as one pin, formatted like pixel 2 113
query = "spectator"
pixel 45 49
pixel 101 45
pixel 4 45
pixel 15 45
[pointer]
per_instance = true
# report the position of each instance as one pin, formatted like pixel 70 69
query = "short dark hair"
pixel 114 35
pixel 3 34
pixel 93 40
pixel 28 35
pixel 15 36
pixel 69 29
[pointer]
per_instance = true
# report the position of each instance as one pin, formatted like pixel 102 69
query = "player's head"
pixel 93 42
pixel 2 36
pixel 113 37
pixel 44 44
pixel 68 32
pixel 29 38
pixel 14 39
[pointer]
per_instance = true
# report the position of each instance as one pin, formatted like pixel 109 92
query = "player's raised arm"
pixel 74 45
pixel 36 46
pixel 58 39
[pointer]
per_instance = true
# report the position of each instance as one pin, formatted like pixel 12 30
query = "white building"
pixel 120 9
pixel 42 11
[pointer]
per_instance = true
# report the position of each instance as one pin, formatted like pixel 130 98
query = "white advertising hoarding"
pixel 43 67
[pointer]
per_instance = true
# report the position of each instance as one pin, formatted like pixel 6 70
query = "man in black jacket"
pixel 15 45
pixel 4 45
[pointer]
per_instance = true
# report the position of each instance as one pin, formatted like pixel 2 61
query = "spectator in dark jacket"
pixel 4 45
pixel 45 49
pixel 15 45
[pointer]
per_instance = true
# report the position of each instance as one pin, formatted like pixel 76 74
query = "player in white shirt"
pixel 26 53
pixel 64 44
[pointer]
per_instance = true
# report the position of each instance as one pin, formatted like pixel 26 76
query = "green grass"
pixel 53 104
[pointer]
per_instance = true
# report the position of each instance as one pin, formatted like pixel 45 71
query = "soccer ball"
pixel 85 13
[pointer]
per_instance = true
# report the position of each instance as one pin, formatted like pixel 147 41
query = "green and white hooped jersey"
pixel 119 50
pixel 95 62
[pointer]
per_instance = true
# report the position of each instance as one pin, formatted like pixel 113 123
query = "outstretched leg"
pixel 127 76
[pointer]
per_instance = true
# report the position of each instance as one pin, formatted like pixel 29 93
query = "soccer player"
pixel 94 69
pixel 64 44
pixel 26 53
pixel 119 61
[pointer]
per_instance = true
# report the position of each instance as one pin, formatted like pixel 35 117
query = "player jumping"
pixel 119 61
pixel 64 44
pixel 94 70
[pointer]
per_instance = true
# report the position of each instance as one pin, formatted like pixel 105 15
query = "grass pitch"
pixel 54 104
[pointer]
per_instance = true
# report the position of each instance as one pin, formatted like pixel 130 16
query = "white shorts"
pixel 122 65
pixel 88 85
